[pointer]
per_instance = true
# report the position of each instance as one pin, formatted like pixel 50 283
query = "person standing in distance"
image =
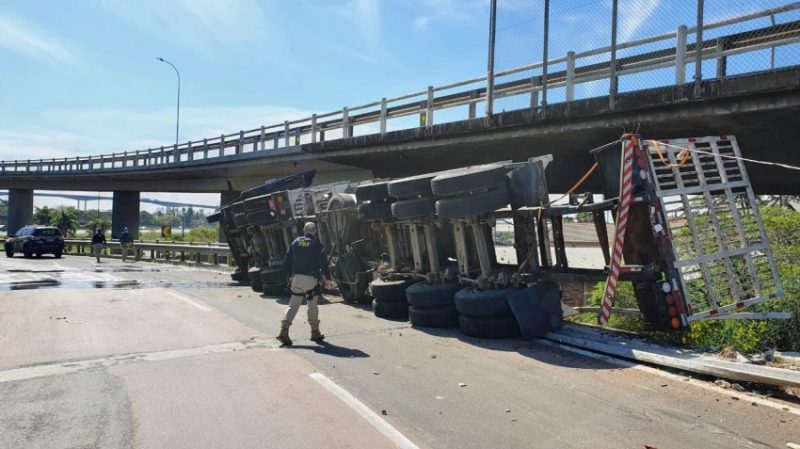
pixel 98 243
pixel 305 262
pixel 126 241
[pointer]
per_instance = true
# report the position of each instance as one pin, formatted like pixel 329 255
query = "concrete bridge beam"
pixel 125 213
pixel 20 209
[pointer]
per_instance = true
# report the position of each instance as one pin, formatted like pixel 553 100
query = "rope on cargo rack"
pixel 754 161
pixel 683 156
pixel 583 178
pixel 572 189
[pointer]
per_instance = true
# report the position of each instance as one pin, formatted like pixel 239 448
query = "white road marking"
pixel 695 382
pixel 188 300
pixel 365 412
pixel 59 368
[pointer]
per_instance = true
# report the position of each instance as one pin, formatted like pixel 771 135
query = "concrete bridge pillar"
pixel 20 209
pixel 125 212
pixel 225 197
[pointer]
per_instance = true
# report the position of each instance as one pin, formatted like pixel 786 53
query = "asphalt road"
pixel 138 355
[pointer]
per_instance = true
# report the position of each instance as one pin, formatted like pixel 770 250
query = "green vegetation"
pixel 201 234
pixel 82 223
pixel 783 231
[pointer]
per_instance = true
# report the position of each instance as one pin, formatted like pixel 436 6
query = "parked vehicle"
pixel 36 240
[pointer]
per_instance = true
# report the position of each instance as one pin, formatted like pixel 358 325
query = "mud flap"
pixel 537 309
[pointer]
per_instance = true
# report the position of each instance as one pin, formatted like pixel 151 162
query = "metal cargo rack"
pixel 719 246
pixel 706 242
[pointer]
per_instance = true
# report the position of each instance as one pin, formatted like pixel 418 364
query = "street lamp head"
pixel 160 59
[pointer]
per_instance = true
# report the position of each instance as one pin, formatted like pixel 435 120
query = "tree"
pixel 145 219
pixel 43 216
pixel 98 223
pixel 65 220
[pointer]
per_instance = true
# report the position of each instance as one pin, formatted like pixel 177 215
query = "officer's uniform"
pixel 305 262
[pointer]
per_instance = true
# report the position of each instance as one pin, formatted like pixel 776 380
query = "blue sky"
pixel 81 77
pixel 84 77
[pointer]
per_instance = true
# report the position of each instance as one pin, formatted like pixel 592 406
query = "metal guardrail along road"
pixel 165 252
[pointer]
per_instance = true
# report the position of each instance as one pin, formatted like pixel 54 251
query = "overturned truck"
pixel 688 236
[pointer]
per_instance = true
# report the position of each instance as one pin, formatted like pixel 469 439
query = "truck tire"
pixel 472 205
pixel 375 192
pixel 391 310
pixel 273 275
pixel 341 201
pixel 352 276
pixel 9 251
pixel 389 291
pixel 423 294
pixel 342 219
pixel 412 187
pixel 482 303
pixel 503 326
pixel 255 284
pixel 446 316
pixel 240 276
pixel 375 211
pixel 278 289
pixel 468 179
pixel 418 207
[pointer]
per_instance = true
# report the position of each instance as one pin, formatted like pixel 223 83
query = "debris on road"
pixel 722 383
pixel 462 384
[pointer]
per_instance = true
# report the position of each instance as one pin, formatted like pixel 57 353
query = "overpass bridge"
pixel 399 136
pixel 87 198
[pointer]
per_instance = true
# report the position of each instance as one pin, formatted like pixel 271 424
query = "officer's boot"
pixel 283 337
pixel 316 335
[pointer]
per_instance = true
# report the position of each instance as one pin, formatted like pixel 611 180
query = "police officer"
pixel 98 243
pixel 126 242
pixel 305 262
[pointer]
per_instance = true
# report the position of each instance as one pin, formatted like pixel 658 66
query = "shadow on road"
pixel 326 348
pixel 532 349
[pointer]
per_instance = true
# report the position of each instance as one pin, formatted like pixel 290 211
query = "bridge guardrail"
pixel 162 252
pixel 506 83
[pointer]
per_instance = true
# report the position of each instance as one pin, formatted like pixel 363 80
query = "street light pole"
pixel 178 120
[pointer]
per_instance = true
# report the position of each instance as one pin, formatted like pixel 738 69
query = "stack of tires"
pixel 471 191
pixel 274 280
pixel 485 313
pixel 389 298
pixel 271 281
pixel 432 305
pixel 374 202
pixel 413 197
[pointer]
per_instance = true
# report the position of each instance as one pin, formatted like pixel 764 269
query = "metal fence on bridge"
pixel 646 44
pixel 604 48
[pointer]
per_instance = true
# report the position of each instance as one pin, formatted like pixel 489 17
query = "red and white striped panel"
pixel 629 143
